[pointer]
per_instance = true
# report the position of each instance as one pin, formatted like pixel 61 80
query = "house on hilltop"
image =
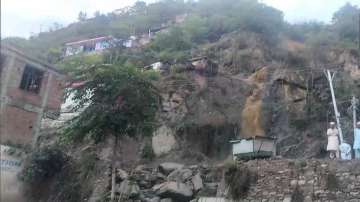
pixel 92 45
pixel 30 91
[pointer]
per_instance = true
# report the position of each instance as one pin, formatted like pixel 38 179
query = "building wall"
pixel 21 111
pixel 13 90
pixel 16 94
pixel 11 188
pixel 56 94
pixel 19 125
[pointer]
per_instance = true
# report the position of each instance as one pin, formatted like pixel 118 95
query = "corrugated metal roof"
pixel 254 137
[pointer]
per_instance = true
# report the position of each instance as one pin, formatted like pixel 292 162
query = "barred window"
pixel 31 79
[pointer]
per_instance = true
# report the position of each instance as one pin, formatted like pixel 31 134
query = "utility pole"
pixel 330 78
pixel 359 43
pixel 354 112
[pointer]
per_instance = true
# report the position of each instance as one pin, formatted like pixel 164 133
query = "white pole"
pixel 337 114
pixel 354 113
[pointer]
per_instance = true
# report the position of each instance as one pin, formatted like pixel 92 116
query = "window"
pixel 89 47
pixel 31 79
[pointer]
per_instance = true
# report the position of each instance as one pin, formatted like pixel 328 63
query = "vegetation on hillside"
pixel 207 20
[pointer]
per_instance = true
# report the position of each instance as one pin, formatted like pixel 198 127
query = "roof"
pixel 157 29
pixel 75 84
pixel 254 137
pixel 92 40
pixel 198 58
pixel 9 48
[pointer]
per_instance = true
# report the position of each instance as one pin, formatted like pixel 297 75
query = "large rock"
pixel 129 189
pixel 197 182
pixel 180 175
pixel 177 191
pixel 163 140
pixel 155 199
pixel 166 200
pixel 167 168
pixel 122 174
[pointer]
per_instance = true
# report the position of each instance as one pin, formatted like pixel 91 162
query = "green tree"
pixel 97 14
pixel 82 16
pixel 172 46
pixel 304 31
pixel 345 22
pixel 196 27
pixel 118 101
pixel 115 96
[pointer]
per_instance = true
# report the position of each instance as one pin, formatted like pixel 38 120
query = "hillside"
pixel 233 69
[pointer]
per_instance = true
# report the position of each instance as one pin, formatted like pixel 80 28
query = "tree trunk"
pixel 113 171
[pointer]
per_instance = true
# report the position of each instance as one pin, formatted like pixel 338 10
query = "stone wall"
pixel 273 181
pixel 305 180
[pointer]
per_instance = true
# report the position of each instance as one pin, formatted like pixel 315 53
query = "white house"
pixel 90 45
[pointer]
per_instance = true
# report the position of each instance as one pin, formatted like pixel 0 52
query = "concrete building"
pixel 30 90
pixel 93 45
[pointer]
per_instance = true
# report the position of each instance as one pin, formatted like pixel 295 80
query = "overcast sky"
pixel 23 17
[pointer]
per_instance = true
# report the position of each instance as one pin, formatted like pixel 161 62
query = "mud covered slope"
pixel 258 89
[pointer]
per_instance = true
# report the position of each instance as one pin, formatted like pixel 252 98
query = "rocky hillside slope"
pixel 257 90
pixel 241 87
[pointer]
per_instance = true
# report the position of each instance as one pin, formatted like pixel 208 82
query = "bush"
pixel 43 164
pixel 332 182
pixel 68 187
pixel 87 165
pixel 147 151
pixel 238 178
pixel 297 195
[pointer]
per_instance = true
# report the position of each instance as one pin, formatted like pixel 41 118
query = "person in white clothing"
pixel 333 141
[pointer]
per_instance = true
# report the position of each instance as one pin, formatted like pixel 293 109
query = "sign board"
pixel 10 167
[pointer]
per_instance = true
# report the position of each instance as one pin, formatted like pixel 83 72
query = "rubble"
pixel 276 180
pixel 167 168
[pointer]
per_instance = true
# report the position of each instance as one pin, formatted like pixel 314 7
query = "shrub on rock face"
pixel 147 152
pixel 297 195
pixel 43 164
pixel 332 181
pixel 238 178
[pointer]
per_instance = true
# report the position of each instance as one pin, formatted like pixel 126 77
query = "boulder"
pixel 209 189
pixel 177 191
pixel 129 189
pixel 163 140
pixel 155 199
pixel 166 200
pixel 160 176
pixel 122 174
pixel 197 182
pixel 167 168
pixel 180 175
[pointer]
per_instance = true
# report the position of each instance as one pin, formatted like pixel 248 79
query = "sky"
pixel 24 18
